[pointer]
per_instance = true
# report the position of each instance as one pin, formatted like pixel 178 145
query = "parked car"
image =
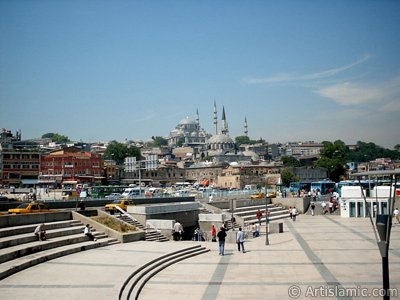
pixel 32 207
pixel 258 195
pixel 113 196
pixel 121 203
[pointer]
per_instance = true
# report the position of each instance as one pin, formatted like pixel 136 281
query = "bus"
pixel 323 186
pixel 101 191
pixel 295 187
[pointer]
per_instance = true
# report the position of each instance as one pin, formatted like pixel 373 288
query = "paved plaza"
pixel 315 258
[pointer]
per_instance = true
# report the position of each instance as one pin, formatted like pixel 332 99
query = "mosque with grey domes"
pixel 219 147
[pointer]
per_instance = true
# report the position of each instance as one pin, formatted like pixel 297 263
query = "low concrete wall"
pixel 121 237
pixel 59 204
pixel 35 218
pixel 300 203
pixel 240 203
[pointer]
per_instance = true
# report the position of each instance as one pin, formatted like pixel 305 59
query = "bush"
pixel 115 224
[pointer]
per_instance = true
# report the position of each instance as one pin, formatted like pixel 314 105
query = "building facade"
pixel 72 164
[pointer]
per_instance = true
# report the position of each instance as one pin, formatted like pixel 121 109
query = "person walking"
pixel 312 208
pixel 323 205
pixel 240 239
pixel 258 216
pixel 178 230
pixel 294 213
pixel 290 213
pixel 396 215
pixel 88 232
pixel 213 233
pixel 221 240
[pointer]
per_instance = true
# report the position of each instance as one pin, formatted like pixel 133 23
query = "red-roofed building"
pixel 72 164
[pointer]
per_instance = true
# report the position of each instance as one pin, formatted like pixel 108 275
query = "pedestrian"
pixel 323 205
pixel 177 231
pixel 210 198
pixel 40 232
pixel 331 206
pixel 396 215
pixel 290 213
pixel 257 230
pixel 240 239
pixel 221 240
pixel 312 208
pixel 213 233
pixel 259 215
pixel 88 232
pixel 201 235
pixel 82 205
pixel 294 213
pixel 196 234
pixel 233 222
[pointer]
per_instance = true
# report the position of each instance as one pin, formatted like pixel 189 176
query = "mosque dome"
pixel 220 139
pixel 254 156
pixel 187 121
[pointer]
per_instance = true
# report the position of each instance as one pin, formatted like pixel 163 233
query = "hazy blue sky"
pixel 105 70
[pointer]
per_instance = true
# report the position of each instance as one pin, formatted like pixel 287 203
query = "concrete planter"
pixel 121 237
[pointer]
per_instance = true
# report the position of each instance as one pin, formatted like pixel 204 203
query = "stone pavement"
pixel 315 256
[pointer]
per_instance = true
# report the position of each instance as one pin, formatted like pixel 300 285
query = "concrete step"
pixel 253 207
pixel 24 238
pixel 272 211
pixel 14 230
pixel 13 266
pixel 11 253
pixel 271 219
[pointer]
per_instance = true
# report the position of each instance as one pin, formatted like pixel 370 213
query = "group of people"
pixel 221 235
pixel 40 232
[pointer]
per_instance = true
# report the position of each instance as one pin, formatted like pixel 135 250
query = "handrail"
pixel 170 258
pixel 186 256
pixel 148 264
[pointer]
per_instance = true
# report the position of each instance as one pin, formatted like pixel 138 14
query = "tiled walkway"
pixel 313 257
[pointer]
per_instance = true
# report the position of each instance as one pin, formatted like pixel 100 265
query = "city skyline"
pixel 297 70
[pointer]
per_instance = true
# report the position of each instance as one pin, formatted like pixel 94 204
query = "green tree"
pixel 369 151
pixel 287 177
pixel 397 147
pixel 159 141
pixel 55 137
pixel 290 161
pixel 118 151
pixel 333 158
pixel 240 140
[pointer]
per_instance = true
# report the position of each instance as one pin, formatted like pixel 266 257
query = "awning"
pixel 29 181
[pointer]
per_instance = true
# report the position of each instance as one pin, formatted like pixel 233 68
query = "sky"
pixel 115 70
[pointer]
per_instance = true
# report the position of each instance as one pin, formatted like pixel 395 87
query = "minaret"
pixel 246 129
pixel 224 126
pixel 215 118
pixel 197 117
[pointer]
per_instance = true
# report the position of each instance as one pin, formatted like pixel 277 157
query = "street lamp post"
pixel 383 224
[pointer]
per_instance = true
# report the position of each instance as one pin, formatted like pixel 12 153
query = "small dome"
pixel 220 139
pixel 254 156
pixel 187 121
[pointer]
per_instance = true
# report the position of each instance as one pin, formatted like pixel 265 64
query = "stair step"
pixel 11 267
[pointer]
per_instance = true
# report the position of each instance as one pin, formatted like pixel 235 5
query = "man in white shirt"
pixel 240 239
pixel 396 215
pixel 294 213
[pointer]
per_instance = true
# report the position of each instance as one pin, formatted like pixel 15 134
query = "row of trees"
pixel 334 157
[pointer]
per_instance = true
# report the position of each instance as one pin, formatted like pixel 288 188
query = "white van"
pixel 132 192
pixel 250 187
